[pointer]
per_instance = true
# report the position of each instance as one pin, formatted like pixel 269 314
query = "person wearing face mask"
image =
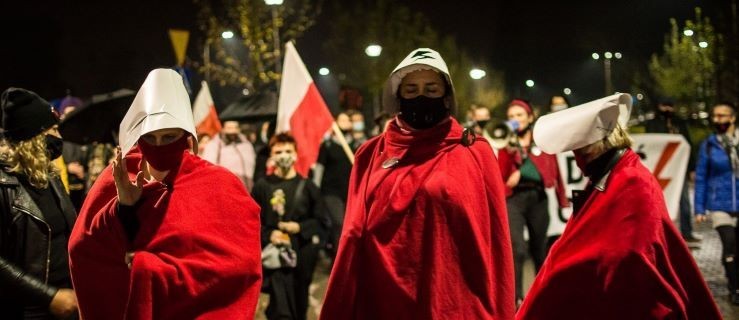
pixel 558 103
pixel 359 135
pixel 293 214
pixel 164 234
pixel 425 233
pixel 36 214
pixel 717 188
pixel 666 121
pixel 231 150
pixel 620 256
pixel 527 171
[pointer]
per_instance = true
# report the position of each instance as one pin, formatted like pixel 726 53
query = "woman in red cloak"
pixel 426 232
pixel 164 234
pixel 620 256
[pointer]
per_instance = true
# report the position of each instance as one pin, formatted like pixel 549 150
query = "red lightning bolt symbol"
pixel 663 159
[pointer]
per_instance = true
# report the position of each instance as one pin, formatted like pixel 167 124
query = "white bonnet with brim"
pixel 582 125
pixel 419 59
pixel 161 103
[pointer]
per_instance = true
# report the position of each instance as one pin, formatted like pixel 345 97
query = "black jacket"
pixel 25 248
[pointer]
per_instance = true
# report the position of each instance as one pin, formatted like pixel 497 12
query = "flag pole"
pixel 342 141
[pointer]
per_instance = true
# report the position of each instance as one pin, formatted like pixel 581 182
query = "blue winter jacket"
pixel 716 187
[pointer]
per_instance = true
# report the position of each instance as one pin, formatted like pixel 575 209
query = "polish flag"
pixel 301 110
pixel 204 112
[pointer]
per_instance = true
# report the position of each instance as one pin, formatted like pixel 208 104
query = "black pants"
pixel 528 207
pixel 288 288
pixel 336 208
pixel 729 253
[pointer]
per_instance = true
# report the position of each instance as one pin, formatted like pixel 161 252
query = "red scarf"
pixel 197 251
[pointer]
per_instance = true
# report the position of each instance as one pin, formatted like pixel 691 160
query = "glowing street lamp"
pixel 373 50
pixel 324 71
pixel 477 74
pixel 688 32
pixel 228 34
pixel 530 83
pixel 703 44
pixel 567 91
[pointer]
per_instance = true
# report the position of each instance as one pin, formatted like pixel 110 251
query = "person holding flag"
pixel 426 233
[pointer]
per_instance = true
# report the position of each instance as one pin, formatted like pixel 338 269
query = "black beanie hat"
pixel 24 114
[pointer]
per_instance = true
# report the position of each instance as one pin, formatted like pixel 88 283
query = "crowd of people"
pixel 426 218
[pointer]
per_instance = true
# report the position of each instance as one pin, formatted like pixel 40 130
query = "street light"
pixel 273 2
pixel 477 74
pixel 530 83
pixel 324 71
pixel 567 91
pixel 228 34
pixel 607 68
pixel 688 32
pixel 373 50
pixel 703 44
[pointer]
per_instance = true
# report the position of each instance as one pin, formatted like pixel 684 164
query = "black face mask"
pixel 721 128
pixel 423 112
pixel 482 123
pixel 230 138
pixel 54 146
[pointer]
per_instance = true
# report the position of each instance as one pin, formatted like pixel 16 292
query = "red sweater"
pixel 545 163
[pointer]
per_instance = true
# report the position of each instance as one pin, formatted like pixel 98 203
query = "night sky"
pixel 98 46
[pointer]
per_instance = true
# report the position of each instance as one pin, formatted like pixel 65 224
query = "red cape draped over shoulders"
pixel 620 257
pixel 426 238
pixel 197 249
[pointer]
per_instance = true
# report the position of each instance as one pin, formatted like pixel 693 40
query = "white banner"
pixel 665 155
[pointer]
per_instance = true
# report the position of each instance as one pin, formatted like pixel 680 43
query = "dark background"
pixel 92 47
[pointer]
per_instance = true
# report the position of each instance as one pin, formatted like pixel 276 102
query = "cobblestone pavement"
pixel 707 256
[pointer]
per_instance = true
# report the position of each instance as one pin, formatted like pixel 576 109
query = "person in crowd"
pixel 665 121
pixel 425 233
pixel 293 215
pixel 717 188
pixel 75 157
pixel 36 214
pixel 332 172
pixel 527 171
pixel 481 117
pixel 358 134
pixel 620 256
pixel 381 122
pixel 558 103
pixel 164 234
pixel 233 151
pixel 203 140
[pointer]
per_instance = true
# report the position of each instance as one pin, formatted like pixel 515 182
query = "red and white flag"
pixel 301 110
pixel 204 112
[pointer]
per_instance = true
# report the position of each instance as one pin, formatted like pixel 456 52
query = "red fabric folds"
pixel 620 257
pixel 427 238
pixel 197 252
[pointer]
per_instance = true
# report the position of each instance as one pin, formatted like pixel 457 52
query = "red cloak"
pixel 426 238
pixel 620 257
pixel 197 252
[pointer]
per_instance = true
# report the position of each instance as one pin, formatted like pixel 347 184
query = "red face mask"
pixel 164 157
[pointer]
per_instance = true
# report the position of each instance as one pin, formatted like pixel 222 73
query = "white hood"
pixel 419 59
pixel 161 103
pixel 582 125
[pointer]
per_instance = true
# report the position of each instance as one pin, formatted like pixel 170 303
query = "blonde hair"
pixel 29 158
pixel 618 139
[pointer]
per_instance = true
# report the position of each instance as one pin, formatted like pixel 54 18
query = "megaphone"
pixel 503 134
